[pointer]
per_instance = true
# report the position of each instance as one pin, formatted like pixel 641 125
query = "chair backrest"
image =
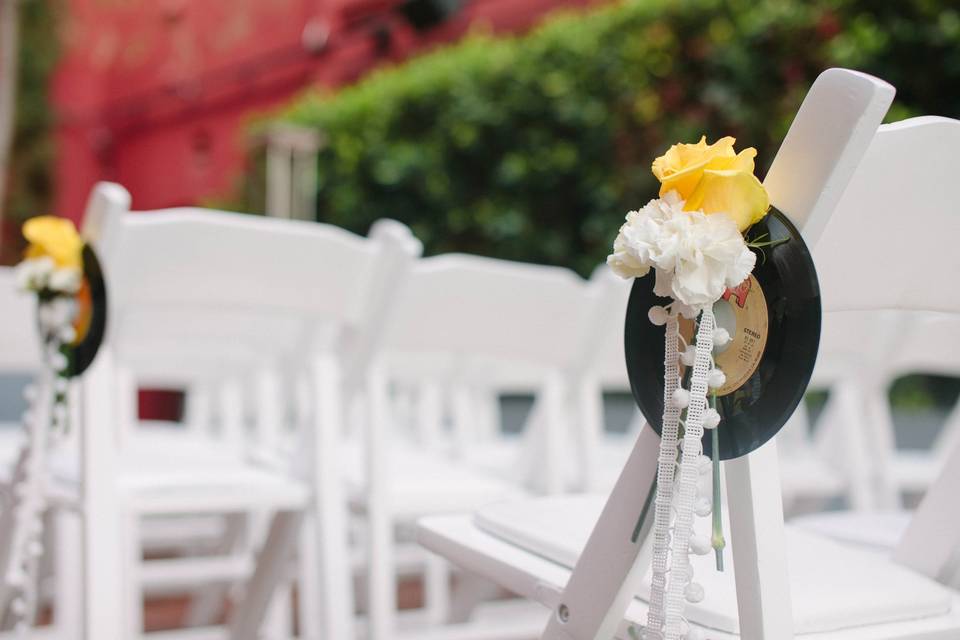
pixel 235 264
pixel 602 350
pixel 198 293
pixel 480 326
pixel 892 245
pixel 19 344
pixel 470 306
pixel 885 261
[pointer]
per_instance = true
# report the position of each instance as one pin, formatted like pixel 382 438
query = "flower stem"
pixel 716 541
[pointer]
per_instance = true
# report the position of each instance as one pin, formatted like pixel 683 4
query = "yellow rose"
pixel 713 178
pixel 54 237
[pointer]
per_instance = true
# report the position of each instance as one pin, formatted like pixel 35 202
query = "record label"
pixel 742 311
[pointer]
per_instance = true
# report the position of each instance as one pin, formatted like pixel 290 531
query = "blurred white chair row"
pixel 353 387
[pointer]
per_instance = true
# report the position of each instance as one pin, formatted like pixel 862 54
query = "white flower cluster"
pixel 696 256
pixel 56 317
pixel 37 274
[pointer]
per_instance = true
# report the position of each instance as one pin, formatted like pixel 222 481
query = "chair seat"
pixel 501 457
pixel 504 458
pixel 160 473
pixel 805 474
pixel 877 531
pixel 425 482
pixel 914 470
pixel 530 547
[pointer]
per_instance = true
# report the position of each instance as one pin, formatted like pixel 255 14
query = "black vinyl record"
pixel 91 320
pixel 774 322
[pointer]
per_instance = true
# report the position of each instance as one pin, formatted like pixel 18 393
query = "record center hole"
pixel 726 318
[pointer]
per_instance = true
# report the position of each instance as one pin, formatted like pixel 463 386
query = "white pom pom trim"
pixel 693 593
pixel 693 633
pixel 711 418
pixel 658 315
pixel 716 379
pixel 680 398
pixel 720 337
pixel 704 465
pixel 699 545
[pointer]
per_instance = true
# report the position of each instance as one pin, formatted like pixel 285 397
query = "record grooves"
pixel 92 320
pixel 774 322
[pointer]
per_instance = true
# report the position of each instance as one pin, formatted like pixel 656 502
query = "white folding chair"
pixel 829 590
pixel 456 325
pixel 588 356
pixel 257 292
pixel 908 342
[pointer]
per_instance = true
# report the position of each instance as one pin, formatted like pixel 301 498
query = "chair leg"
pixel 68 606
pixel 278 623
pixel 207 602
pixel 329 506
pixel 382 587
pixel 880 420
pixel 589 431
pixel 247 617
pixel 436 590
pixel 309 593
pixel 103 586
pixel 470 591
pixel 853 437
pixel 464 420
pixel 277 618
pixel 429 419
pixel 758 544
pixel 554 430
pixel 133 586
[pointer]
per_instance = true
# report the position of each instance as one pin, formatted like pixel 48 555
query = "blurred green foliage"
pixel 30 186
pixel 532 148
pixel 918 391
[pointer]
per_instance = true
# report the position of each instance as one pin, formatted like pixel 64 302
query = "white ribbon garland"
pixel 677 489
pixel 663 502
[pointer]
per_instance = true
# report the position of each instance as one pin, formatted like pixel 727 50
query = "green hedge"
pixel 29 189
pixel 532 148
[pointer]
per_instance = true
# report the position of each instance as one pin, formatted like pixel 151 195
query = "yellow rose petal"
pixel 739 194
pixel 743 161
pixel 55 237
pixel 682 166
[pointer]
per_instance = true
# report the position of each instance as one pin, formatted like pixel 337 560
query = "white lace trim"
pixel 677 484
pixel 665 476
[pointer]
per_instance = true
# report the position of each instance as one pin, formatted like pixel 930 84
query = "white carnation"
pixel 696 256
pixel 624 262
pixel 57 313
pixel 639 245
pixel 33 274
pixel 66 280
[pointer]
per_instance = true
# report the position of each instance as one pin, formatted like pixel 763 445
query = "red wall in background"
pixel 154 93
